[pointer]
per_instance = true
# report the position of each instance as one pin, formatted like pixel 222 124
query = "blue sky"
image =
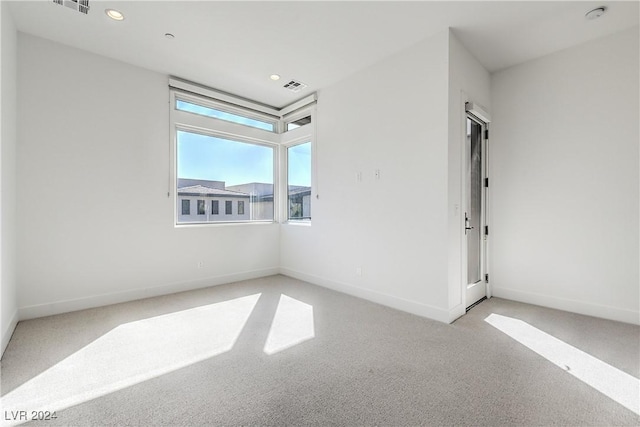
pixel 299 172
pixel 222 115
pixel 217 159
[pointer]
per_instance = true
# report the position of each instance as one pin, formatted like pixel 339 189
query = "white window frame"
pixel 210 126
pixel 278 139
pixel 300 135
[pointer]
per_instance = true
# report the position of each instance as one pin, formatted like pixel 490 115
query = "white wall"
pixel 564 179
pixel 392 117
pixel 469 81
pixel 96 225
pixel 8 64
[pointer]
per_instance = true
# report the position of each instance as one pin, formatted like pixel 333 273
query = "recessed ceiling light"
pixel 595 13
pixel 169 36
pixel 274 77
pixel 116 15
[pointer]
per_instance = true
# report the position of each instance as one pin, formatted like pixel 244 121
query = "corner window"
pixel 299 181
pixel 228 154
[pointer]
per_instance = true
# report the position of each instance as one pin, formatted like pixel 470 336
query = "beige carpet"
pixel 278 351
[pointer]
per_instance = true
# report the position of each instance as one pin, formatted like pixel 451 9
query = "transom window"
pixel 223 115
pixel 298 122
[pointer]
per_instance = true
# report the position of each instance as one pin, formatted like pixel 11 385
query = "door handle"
pixel 466 223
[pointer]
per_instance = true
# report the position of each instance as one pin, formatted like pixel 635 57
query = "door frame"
pixel 482 117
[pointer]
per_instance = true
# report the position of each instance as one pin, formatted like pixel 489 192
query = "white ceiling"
pixel 235 46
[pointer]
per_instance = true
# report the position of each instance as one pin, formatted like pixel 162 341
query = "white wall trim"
pixel 66 306
pixel 456 312
pixel 419 309
pixel 8 332
pixel 573 306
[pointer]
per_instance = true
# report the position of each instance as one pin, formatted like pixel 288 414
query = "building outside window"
pixel 240 207
pixel 199 192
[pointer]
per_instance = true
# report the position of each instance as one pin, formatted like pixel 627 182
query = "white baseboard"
pixel 401 304
pixel 58 307
pixel 573 306
pixel 8 332
pixel 457 312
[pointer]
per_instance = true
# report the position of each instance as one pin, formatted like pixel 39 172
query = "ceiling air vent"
pixel 81 6
pixel 295 86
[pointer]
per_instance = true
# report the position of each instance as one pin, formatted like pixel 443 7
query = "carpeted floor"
pixel 312 356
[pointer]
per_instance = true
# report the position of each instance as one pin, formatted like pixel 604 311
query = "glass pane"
pixel 299 181
pixel 474 195
pixel 222 173
pixel 223 115
pixel 297 123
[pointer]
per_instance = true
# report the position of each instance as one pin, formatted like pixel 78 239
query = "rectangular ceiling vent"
pixel 81 6
pixel 295 86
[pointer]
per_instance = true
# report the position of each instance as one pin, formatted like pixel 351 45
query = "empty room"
pixel 320 213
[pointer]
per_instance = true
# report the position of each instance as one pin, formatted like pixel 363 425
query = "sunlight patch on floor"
pixel 612 382
pixel 135 352
pixel 292 324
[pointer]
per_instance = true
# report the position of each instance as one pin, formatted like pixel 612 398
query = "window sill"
pixel 298 223
pixel 223 224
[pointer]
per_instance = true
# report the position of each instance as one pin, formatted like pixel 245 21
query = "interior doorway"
pixel 475 209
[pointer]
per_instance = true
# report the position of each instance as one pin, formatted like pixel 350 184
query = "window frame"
pixel 291 138
pixel 278 140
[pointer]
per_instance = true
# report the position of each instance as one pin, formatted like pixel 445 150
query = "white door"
pixel 475 210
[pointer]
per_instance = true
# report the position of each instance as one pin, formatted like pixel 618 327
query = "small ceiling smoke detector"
pixel 595 13
pixel 274 77
pixel 116 15
pixel 169 36
pixel 295 86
